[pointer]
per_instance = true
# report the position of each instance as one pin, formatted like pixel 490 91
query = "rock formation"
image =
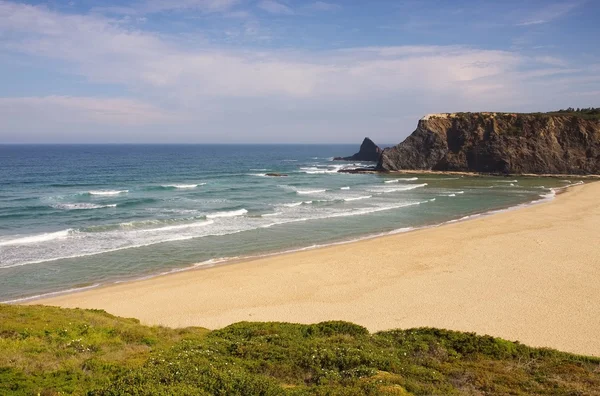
pixel 368 151
pixel 540 143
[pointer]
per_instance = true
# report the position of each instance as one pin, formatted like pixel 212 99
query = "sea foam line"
pixel 358 198
pixel 179 226
pixel 304 192
pixel 358 212
pixel 403 188
pixel 401 179
pixel 81 206
pixel 183 186
pixel 49 236
pixel 231 213
pixel 107 192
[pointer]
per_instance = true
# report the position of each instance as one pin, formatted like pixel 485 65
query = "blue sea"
pixel 79 216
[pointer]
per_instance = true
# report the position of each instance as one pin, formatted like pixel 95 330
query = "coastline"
pixel 219 261
pixel 467 173
pixel 412 281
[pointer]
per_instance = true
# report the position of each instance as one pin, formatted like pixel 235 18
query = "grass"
pixel 586 114
pixel 51 351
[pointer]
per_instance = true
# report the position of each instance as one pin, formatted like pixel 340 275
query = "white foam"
pixel 108 192
pixel 183 186
pixel 507 181
pixel 179 226
pixel 358 198
pixel 270 214
pixel 451 195
pixel 291 205
pixel 259 170
pixel 258 174
pixel 81 206
pixel 345 188
pixel 232 213
pixel 403 188
pixel 37 238
pixel 460 192
pixel 320 171
pixel 355 212
pixel 304 192
pixel 401 179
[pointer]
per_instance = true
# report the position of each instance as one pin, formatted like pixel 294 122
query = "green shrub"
pixel 48 351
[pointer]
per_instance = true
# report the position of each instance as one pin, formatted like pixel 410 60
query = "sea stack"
pixel 368 151
pixel 508 143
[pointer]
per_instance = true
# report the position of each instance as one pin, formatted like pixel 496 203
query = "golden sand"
pixel 531 275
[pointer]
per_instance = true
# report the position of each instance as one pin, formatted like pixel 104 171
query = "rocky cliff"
pixel 368 151
pixel 499 143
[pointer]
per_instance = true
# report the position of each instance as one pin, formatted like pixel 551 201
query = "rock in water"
pixel 368 151
pixel 499 143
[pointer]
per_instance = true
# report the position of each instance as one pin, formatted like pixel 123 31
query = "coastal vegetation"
pixel 589 113
pixel 52 351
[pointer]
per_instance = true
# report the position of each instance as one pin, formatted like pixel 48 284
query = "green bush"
pixel 50 351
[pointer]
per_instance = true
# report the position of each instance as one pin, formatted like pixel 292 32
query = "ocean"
pixel 79 216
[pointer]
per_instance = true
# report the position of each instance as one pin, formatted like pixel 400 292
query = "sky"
pixel 284 71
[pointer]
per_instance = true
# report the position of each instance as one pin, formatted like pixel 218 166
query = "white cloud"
pixel 156 6
pixel 221 94
pixel 275 7
pixel 69 109
pixel 549 13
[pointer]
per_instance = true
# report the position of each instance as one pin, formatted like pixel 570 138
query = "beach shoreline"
pixel 407 281
pixel 221 261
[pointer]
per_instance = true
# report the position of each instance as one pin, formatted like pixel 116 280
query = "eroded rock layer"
pixel 499 143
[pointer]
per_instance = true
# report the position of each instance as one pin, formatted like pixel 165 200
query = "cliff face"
pixel 499 143
pixel 368 151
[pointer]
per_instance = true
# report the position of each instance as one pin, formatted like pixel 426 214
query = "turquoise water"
pixel 79 216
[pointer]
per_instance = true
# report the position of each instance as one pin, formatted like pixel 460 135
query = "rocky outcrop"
pixel 368 151
pixel 499 143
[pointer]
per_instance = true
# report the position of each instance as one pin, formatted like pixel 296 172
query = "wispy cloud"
pixel 228 91
pixel 156 6
pixel 62 110
pixel 275 7
pixel 549 13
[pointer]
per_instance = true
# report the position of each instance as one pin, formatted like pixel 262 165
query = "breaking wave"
pixel 107 192
pixel 401 179
pixel 231 213
pixel 50 236
pixel 305 192
pixel 81 206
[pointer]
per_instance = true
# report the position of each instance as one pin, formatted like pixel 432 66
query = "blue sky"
pixel 285 71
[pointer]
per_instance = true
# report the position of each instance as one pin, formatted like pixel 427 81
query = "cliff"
pixel 368 151
pixel 499 143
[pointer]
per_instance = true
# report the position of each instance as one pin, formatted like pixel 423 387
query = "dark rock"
pixel 276 174
pixel 368 151
pixel 499 143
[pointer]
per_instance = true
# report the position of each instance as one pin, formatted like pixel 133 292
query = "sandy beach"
pixel 531 274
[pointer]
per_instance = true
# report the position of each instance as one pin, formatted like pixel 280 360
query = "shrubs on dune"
pixel 51 351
